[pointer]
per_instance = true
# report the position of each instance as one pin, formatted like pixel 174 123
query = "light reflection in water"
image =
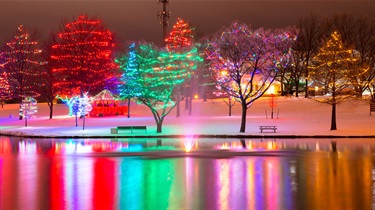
pixel 74 174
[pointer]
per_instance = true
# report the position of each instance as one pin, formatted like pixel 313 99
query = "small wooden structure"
pixel 105 104
pixel 267 127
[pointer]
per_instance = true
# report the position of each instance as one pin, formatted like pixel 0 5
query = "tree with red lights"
pixel 180 39
pixel 4 89
pixel 83 55
pixel 22 62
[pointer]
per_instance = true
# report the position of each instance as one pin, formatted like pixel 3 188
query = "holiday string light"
pixel 181 36
pixel 22 63
pixel 4 88
pixel 28 108
pixel 83 56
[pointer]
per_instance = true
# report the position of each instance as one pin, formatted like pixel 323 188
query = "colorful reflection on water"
pixel 186 174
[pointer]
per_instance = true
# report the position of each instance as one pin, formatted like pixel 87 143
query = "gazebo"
pixel 105 104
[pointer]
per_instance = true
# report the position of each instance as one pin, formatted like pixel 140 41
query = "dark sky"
pixel 137 20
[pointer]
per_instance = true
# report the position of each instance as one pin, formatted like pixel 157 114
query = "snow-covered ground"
pixel 292 116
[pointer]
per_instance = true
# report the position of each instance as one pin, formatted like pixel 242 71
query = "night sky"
pixel 137 20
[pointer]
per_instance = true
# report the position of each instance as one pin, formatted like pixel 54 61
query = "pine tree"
pixel 181 39
pixel 181 36
pixel 22 63
pixel 83 55
pixel 332 70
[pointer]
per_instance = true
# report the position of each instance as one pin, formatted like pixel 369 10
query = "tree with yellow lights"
pixel 22 63
pixel 332 70
pixel 4 89
pixel 83 57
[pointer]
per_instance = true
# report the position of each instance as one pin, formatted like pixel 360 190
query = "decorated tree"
pixel 28 108
pixel 332 70
pixel 245 62
pixel 181 39
pixel 129 87
pixel 153 79
pixel 22 63
pixel 181 36
pixel 83 57
pixel 4 89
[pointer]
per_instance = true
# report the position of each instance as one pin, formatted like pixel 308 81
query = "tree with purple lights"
pixel 333 69
pixel 245 62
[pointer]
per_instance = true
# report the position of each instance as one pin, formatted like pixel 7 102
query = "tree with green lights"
pixel 149 71
pixel 332 70
pixel 181 39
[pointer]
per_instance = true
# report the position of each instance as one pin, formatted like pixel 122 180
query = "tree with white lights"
pixel 28 108
pixel 245 62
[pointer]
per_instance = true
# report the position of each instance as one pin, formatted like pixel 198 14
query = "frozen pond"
pixel 186 174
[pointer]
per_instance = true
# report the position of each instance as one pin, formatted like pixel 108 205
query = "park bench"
pixel 131 128
pixel 267 127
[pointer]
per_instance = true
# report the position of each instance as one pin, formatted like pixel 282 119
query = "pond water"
pixel 187 174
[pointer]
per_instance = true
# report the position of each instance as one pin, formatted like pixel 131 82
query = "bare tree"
pixel 308 42
pixel 48 80
pixel 245 62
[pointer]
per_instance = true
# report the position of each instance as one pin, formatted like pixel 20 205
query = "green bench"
pixel 131 128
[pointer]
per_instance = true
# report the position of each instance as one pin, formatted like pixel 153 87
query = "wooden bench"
pixel 267 127
pixel 131 128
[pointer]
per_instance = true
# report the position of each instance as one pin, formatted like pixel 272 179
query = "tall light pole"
pixel 164 15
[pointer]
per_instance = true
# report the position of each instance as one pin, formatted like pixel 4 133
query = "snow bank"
pixel 294 117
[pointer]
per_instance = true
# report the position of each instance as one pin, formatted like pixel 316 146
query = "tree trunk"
pixel 186 103
pixel 243 118
pixel 25 121
pixel 297 84
pixel 50 105
pixel 178 105
pixel 159 126
pixel 128 107
pixel 230 111
pixel 333 118
pixel 190 106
